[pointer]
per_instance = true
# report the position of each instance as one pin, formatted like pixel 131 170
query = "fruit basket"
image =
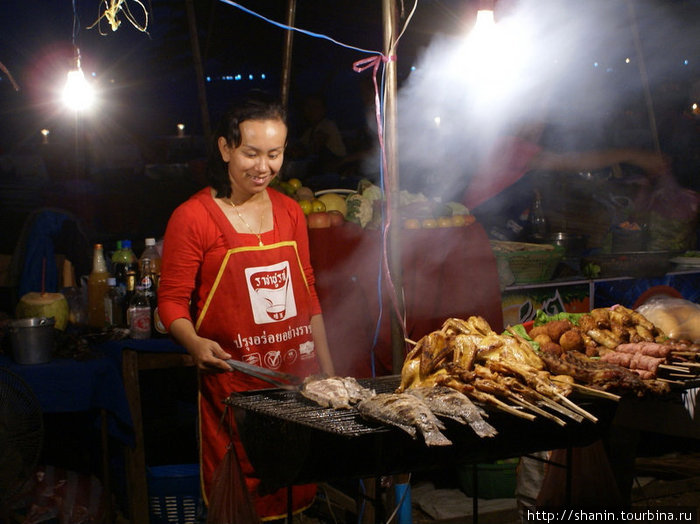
pixel 529 263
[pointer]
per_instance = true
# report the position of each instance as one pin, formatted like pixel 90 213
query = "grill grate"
pixel 291 406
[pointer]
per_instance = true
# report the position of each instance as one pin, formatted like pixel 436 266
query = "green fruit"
pixel 45 305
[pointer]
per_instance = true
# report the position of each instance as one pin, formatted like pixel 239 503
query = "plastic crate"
pixel 495 481
pixel 174 493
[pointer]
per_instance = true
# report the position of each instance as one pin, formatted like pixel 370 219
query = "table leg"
pixel 137 488
pixel 106 475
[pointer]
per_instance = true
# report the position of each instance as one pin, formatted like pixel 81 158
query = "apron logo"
pixel 270 292
pixel 290 357
pixel 252 358
pixel 273 359
pixel 306 350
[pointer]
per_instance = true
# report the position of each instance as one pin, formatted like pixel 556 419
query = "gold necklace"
pixel 259 233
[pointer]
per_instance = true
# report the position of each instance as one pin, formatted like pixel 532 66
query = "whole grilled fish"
pixel 407 412
pixel 335 392
pixel 444 401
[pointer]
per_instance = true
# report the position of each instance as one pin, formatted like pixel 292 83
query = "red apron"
pixel 258 310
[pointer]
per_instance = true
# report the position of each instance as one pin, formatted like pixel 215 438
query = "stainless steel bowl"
pixel 574 244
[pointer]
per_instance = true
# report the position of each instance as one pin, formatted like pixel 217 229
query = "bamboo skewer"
pixel 577 409
pixel 674 368
pixel 532 407
pixel 668 381
pixel 589 390
pixel 551 404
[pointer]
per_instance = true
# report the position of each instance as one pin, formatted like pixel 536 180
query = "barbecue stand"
pixel 291 440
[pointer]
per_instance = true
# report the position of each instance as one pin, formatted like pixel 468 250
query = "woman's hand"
pixel 207 354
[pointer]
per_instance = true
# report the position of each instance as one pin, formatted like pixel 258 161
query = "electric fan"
pixel 21 434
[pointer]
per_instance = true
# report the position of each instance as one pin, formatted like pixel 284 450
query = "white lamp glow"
pixel 77 94
pixel 45 136
pixel 181 130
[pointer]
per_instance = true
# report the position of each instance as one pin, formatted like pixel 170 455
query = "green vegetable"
pixel 542 318
pixel 457 208
pixel 519 329
pixel 406 198
pixel 360 209
pixel 372 193
pixel 591 270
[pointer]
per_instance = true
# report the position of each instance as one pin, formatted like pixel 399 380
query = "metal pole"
pixel 398 344
pixel 287 55
pixel 197 57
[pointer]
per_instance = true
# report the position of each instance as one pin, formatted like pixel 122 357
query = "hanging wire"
pixel 292 28
pixel 112 8
pixel 641 64
pixel 76 25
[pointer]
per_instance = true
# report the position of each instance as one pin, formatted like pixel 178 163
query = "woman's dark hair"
pixel 256 105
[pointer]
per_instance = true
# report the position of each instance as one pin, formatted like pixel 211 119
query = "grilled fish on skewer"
pixel 406 412
pixel 335 392
pixel 448 402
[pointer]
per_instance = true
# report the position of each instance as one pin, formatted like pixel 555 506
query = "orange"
pixel 305 206
pixel 317 206
pixel 411 223
pixel 444 221
pixel 429 223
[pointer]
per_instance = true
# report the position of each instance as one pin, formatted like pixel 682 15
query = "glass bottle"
pixel 538 220
pixel 114 305
pixel 97 287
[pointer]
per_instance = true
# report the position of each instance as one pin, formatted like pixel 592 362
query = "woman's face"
pixel 253 164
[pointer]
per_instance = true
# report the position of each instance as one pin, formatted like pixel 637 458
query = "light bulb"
pixel 77 94
pixel 181 130
pixel 45 136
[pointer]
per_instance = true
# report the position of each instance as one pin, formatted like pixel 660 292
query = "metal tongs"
pixel 276 378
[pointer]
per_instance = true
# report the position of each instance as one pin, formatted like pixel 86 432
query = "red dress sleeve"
pixel 189 265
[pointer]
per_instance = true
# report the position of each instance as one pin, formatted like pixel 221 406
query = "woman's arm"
pixel 649 161
pixel 318 329
pixel 207 354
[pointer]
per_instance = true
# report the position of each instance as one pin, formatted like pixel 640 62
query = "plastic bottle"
pixel 116 255
pixel 151 253
pixel 114 305
pixel 97 287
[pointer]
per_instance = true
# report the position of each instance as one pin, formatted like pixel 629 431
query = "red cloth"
pixel 446 272
pixel 507 162
pixel 194 248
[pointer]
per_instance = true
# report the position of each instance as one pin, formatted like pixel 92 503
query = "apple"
pixel 318 219
pixel 337 218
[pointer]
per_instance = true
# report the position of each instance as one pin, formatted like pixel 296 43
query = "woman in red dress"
pixel 237 283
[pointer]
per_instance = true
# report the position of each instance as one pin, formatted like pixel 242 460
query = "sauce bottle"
pixel 97 288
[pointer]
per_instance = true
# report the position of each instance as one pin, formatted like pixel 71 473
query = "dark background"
pixel 147 85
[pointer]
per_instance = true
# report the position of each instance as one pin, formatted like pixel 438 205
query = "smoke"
pixel 573 65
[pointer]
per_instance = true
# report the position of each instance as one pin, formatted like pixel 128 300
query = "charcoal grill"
pixel 291 440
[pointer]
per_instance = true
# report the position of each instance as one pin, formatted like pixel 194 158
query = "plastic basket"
pixel 529 263
pixel 173 493
pixel 495 481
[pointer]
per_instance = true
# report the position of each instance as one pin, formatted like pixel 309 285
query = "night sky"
pixel 148 80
